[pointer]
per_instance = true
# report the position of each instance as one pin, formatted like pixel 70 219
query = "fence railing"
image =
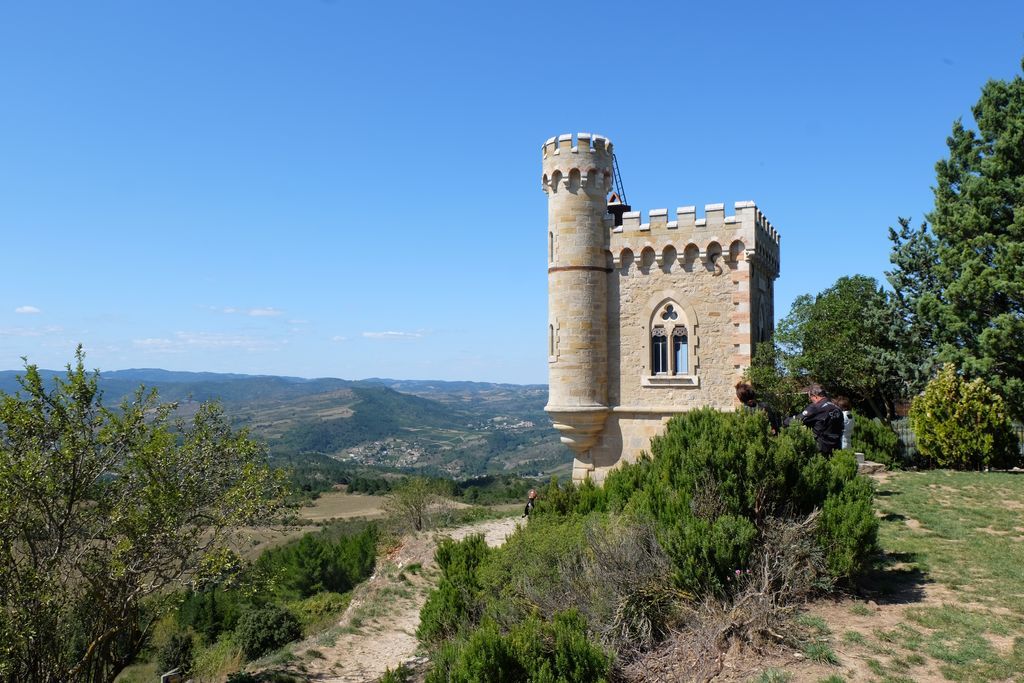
pixel 906 434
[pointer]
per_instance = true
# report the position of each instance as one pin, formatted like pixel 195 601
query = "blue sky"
pixel 316 188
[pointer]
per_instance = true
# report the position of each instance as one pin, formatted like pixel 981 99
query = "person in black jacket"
pixel 824 418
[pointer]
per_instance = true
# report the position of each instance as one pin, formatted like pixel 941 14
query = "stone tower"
pixel 645 320
pixel 577 179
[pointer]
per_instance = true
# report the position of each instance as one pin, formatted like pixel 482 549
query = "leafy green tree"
pixel 963 424
pixel 962 279
pixel 849 339
pixel 772 382
pixel 103 513
pixel 417 502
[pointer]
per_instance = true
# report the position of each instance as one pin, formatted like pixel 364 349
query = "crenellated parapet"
pixel 580 163
pixel 713 240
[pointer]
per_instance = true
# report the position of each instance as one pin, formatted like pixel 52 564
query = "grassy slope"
pixel 953 569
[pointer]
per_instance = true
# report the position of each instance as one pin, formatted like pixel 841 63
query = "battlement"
pixel 747 214
pixel 584 142
pixel 747 231
pixel 585 165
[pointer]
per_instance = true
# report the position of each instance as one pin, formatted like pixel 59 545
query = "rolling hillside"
pixel 456 429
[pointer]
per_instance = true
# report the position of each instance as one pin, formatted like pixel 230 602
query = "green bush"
pixel 570 498
pixel 316 563
pixel 263 630
pixel 401 674
pixel 616 562
pixel 847 526
pixel 877 441
pixel 456 602
pixel 318 609
pixel 714 478
pixel 532 651
pixel 773 384
pixel 177 652
pixel 963 425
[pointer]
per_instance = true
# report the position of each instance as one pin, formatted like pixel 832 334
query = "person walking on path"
pixel 531 498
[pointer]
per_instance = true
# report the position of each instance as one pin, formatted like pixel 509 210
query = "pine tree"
pixel 968 296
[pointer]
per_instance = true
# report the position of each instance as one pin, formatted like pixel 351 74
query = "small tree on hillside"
pixel 417 502
pixel 103 513
pixel 963 424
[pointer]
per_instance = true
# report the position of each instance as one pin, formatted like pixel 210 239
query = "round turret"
pixel 577 179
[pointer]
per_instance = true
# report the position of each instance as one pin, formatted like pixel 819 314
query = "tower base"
pixel 579 426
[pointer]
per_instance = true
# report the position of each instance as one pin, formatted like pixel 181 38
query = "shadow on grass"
pixel 894 580
pixel 886 493
pixel 893 517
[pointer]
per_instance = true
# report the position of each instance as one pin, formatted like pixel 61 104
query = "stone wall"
pixel 704 266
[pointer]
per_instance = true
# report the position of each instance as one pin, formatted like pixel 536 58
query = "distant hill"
pixel 450 428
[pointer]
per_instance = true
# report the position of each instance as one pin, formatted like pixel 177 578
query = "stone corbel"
pixel 706 258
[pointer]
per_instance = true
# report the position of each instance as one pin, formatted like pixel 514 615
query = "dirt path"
pixel 378 630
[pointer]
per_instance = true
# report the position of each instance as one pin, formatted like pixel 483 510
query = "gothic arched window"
pixel 672 347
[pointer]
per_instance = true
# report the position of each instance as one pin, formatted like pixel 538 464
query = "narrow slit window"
pixel 680 352
pixel 659 351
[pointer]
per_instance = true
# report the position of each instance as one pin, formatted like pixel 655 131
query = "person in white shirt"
pixel 844 405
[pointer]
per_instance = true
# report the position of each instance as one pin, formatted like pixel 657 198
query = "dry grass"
pixel 341 505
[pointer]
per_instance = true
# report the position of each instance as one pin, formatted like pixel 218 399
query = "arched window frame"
pixel 671 319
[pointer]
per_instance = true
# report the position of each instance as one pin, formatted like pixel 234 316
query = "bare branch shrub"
pixel 620 581
pixel 706 501
pixel 787 570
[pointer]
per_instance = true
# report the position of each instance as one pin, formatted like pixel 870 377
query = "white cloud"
pixel 338 338
pixel 30 331
pixel 189 341
pixel 27 309
pixel 264 312
pixel 159 345
pixel 392 335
